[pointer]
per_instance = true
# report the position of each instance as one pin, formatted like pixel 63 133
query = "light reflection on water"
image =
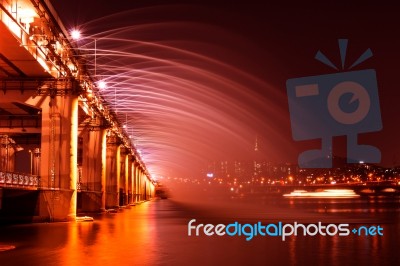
pixel 155 233
pixel 112 239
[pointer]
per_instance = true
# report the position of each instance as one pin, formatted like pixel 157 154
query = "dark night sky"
pixel 270 41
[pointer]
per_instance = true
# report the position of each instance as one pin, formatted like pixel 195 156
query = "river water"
pixel 156 233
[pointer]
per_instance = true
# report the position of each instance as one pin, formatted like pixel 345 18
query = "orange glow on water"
pixel 92 244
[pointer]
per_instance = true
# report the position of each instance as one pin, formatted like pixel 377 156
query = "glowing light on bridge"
pixel 102 85
pixel 75 34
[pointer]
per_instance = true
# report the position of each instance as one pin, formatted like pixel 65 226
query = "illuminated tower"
pixel 256 161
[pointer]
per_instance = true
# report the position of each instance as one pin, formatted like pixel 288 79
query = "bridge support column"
pixel 127 178
pixel 146 187
pixel 131 181
pixel 136 182
pixel 103 170
pixel 123 183
pixel 141 185
pixel 140 198
pixel 93 163
pixel 150 189
pixel 59 146
pixel 113 172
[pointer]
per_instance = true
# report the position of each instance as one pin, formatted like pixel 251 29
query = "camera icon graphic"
pixel 338 104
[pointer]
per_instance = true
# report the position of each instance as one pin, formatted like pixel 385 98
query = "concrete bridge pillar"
pixel 113 172
pixel 131 181
pixel 136 182
pixel 93 177
pixel 141 185
pixel 152 190
pixel 123 184
pixel 148 186
pixel 59 169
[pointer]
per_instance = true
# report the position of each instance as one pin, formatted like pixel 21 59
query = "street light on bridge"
pixel 75 34
pixel 102 85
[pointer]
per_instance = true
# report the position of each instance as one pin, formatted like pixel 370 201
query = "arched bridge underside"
pixel 62 149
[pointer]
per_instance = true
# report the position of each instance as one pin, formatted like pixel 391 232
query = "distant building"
pixel 255 167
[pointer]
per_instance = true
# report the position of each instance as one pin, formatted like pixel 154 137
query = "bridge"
pixel 63 150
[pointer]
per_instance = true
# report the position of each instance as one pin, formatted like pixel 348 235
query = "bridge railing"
pixel 19 180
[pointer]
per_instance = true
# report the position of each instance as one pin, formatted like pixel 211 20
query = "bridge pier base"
pixel 89 202
pixel 55 205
